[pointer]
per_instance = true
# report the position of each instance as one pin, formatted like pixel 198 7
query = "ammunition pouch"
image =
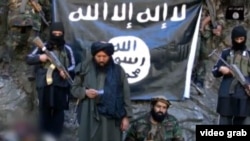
pixel 241 60
pixel 49 78
pixel 62 56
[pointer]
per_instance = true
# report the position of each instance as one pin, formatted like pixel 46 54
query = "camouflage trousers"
pixel 200 71
pixel 17 39
pixel 200 65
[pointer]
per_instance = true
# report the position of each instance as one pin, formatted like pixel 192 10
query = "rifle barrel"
pixel 214 52
pixel 43 18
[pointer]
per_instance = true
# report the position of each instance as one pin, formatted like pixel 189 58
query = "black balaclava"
pixel 238 31
pixel 157 116
pixel 57 40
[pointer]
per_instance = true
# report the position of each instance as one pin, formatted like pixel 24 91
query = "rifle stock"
pixel 54 60
pixel 38 8
pixel 236 72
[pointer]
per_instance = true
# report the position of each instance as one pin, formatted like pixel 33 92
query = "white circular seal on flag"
pixel 133 55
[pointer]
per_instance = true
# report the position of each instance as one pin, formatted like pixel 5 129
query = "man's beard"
pixel 158 116
pixel 101 67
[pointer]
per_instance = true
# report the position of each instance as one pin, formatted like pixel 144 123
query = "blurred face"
pixel 101 58
pixel 239 39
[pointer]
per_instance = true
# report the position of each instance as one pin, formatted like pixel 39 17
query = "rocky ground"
pixel 16 102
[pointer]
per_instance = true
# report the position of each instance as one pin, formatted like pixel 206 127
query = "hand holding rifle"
pixel 234 70
pixel 52 57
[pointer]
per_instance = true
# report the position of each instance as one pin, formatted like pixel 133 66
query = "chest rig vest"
pixel 62 57
pixel 241 60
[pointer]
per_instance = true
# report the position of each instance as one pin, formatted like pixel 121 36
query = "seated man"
pixel 157 125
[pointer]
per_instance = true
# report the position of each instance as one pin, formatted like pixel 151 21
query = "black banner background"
pixel 152 38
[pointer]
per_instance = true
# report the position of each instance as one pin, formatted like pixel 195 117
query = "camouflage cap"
pixel 160 98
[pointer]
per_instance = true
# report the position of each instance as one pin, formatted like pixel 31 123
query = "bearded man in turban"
pixel 103 89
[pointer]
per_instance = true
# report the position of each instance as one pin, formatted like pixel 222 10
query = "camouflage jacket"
pixel 168 130
pixel 28 17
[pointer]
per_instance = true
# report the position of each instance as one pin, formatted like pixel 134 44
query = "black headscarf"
pixel 108 48
pixel 238 31
pixel 57 40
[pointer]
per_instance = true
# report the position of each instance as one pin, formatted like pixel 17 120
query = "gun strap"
pixel 49 78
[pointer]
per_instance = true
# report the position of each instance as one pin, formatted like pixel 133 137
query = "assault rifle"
pixel 38 9
pixel 52 57
pixel 236 72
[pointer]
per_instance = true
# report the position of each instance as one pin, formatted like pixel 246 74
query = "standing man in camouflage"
pixel 23 23
pixel 210 31
pixel 157 125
